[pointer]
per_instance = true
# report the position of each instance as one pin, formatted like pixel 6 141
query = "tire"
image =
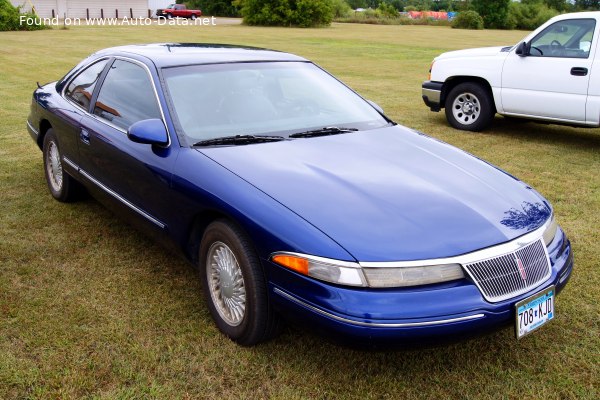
pixel 61 185
pixel 193 17
pixel 169 16
pixel 469 107
pixel 234 286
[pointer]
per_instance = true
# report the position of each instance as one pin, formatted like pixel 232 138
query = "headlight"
pixel 550 231
pixel 325 269
pixel 412 276
pixel 353 274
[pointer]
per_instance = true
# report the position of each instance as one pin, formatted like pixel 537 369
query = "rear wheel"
pixel 469 107
pixel 234 285
pixel 193 17
pixel 62 186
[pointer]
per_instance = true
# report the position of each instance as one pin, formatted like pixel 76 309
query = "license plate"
pixel 534 311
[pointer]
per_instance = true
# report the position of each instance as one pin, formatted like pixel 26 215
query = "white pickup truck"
pixel 553 75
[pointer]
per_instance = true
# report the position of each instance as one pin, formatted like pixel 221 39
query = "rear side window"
pixel 126 96
pixel 81 88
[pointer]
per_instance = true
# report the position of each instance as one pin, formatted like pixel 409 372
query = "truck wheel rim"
pixel 226 283
pixel 54 167
pixel 466 108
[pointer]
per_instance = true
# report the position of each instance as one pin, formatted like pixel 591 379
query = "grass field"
pixel 90 308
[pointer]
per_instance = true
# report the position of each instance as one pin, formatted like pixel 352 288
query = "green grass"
pixel 90 308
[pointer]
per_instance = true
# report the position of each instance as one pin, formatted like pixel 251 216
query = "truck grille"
pixel 512 274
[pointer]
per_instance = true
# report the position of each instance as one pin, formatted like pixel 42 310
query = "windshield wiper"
pixel 328 130
pixel 238 140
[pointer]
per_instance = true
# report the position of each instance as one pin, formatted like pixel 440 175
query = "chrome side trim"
pixel 71 163
pixel 468 258
pixel 375 324
pixel 32 129
pixel 121 199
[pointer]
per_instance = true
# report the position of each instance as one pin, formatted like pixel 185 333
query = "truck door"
pixel 551 80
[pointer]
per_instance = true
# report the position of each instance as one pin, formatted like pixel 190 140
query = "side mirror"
pixel 522 49
pixel 148 131
pixel 376 106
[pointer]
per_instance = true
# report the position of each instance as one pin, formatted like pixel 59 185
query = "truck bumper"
pixel 432 93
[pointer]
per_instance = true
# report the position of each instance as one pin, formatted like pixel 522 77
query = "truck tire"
pixel 469 107
pixel 193 17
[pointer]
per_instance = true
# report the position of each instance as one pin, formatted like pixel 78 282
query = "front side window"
pixel 126 96
pixel 566 39
pixel 81 88
pixel 263 98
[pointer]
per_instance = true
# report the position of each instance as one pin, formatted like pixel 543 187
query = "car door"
pixel 551 81
pixel 135 176
pixel 78 94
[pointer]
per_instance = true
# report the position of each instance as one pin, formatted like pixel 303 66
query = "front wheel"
pixel 469 107
pixel 234 286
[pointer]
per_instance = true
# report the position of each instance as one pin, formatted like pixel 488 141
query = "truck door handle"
pixel 84 135
pixel 579 71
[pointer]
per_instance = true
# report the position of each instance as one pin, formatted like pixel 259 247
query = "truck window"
pixel 566 39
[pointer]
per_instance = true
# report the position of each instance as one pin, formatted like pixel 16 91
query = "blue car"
pixel 297 199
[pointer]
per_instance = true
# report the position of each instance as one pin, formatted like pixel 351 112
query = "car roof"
pixel 175 54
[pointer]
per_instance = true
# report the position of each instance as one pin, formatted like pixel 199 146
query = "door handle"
pixel 84 135
pixel 579 71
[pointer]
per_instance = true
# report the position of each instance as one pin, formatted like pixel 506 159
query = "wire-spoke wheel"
pixel 469 107
pixel 61 185
pixel 226 283
pixel 54 167
pixel 234 285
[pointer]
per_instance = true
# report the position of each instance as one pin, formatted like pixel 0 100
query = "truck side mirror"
pixel 522 49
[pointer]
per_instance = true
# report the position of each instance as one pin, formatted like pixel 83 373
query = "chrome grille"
pixel 512 274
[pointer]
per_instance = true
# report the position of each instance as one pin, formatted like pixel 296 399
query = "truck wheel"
pixel 469 107
pixel 193 17
pixel 169 16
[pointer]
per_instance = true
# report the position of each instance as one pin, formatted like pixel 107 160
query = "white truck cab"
pixel 549 76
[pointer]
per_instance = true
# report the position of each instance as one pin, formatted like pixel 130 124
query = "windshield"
pixel 270 98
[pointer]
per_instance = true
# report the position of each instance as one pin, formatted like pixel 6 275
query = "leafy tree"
pixel 340 8
pixel 493 12
pixel 222 8
pixel 558 5
pixel 302 13
pixel 10 18
pixel 587 5
pixel 468 20
pixel 528 15
pixel 387 10
pixel 354 4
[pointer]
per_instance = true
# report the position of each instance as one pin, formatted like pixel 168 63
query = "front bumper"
pixel 403 316
pixel 432 94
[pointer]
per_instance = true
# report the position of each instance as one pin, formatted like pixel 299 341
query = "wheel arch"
pixel 198 226
pixel 454 81
pixel 43 129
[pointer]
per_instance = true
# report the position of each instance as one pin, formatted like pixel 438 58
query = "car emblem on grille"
pixel 521 268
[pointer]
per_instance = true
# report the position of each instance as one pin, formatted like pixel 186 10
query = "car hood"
pixel 390 194
pixel 478 52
